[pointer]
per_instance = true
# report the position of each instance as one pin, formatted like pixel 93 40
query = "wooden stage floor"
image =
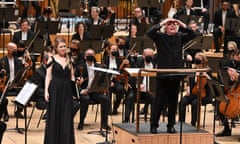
pixel 35 135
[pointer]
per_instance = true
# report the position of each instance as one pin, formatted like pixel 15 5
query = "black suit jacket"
pixel 77 36
pixel 183 11
pixel 218 17
pixel 17 65
pixel 118 61
pixel 17 37
pixel 206 3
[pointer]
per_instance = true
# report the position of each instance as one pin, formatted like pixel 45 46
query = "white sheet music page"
pixel 26 92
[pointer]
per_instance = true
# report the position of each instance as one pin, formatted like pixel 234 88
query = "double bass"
pixel 231 108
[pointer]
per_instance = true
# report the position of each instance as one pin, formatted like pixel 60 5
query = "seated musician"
pixel 95 19
pixel 113 61
pixel 38 78
pixel 107 14
pixel 47 15
pixel 81 32
pixel 139 17
pixel 191 96
pixel 12 65
pixel 85 76
pixel 232 65
pixel 77 57
pixel 122 46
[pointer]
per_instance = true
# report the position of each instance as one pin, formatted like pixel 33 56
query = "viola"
pixel 199 87
pixel 231 108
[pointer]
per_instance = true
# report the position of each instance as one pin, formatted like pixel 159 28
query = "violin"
pixel 199 87
pixel 3 77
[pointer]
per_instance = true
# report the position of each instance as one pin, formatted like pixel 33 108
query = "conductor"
pixel 169 44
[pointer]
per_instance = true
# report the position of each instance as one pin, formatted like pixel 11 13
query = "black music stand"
pixel 93 44
pixel 22 98
pixel 95 32
pixel 6 15
pixel 148 43
pixel 101 83
pixel 186 19
pixel 148 4
pixel 107 3
pixel 107 31
pixel 142 29
pixel 139 41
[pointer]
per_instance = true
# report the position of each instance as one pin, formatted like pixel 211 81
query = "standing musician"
pixel 85 76
pixel 12 65
pixel 191 96
pixel 219 21
pixel 169 55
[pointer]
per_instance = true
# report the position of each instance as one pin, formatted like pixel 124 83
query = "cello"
pixel 231 108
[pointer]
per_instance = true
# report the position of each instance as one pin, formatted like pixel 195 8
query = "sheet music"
pixel 26 92
pixel 105 70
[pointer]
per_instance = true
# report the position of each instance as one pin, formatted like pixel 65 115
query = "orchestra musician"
pixel 107 14
pixel 94 19
pixel 114 62
pixel 169 44
pixel 12 65
pixel 191 96
pixel 80 32
pixel 77 57
pixel 219 21
pixel 139 17
pixel 85 76
pixel 24 34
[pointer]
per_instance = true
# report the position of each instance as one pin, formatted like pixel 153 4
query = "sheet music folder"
pixel 25 94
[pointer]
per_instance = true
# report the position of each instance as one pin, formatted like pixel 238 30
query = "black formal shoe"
pixel 106 127
pixel 225 132
pixel 80 126
pixel 171 130
pixel 6 117
pixel 153 130
pixel 19 114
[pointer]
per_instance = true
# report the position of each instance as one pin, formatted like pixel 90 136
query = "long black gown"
pixel 59 127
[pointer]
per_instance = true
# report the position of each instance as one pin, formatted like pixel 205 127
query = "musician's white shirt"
pixel 224 14
pixel 121 52
pixel 112 63
pixel 90 75
pixel 24 36
pixel 11 68
pixel 146 79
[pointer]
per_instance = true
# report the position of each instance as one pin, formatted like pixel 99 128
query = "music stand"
pixel 148 43
pixel 95 32
pixel 148 4
pixel 186 19
pixel 93 44
pixel 38 46
pixel 22 98
pixel 107 31
pixel 107 3
pixel 142 29
pixel 101 83
pixel 139 41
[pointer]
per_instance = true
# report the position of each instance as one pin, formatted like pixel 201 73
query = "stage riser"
pixel 121 136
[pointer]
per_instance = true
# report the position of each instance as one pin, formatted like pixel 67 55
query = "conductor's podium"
pixel 125 134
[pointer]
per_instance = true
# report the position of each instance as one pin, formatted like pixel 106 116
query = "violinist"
pixel 95 19
pixel 107 14
pixel 12 65
pixel 114 62
pixel 85 75
pixel 81 32
pixel 191 96
pixel 139 17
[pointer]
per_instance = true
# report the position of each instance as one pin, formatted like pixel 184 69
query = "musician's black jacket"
pixel 169 48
